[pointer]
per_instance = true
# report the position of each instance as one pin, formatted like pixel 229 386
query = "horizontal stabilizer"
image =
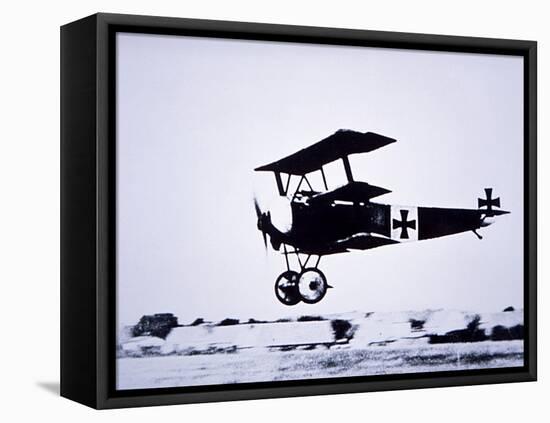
pixel 339 145
pixel 494 212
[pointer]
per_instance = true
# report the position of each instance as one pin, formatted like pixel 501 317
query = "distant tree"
pixel 472 333
pixel 158 325
pixel 474 323
pixel 341 329
pixel 310 319
pixel 509 308
pixel 229 322
pixel 197 322
pixel 501 333
pixel 417 324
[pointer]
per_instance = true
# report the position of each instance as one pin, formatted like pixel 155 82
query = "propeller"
pixel 263 218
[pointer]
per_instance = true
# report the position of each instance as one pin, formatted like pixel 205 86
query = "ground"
pixel 256 365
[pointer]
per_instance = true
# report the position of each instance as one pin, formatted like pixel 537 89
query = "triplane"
pixel 326 222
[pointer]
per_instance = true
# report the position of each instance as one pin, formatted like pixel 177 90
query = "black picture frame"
pixel 88 209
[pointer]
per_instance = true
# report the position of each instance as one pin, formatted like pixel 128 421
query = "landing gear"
pixel 286 288
pixel 312 285
pixel 309 286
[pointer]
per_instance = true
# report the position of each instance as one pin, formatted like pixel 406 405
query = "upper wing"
pixel 356 192
pixel 339 145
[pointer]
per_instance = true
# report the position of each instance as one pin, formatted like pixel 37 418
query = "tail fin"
pixel 488 203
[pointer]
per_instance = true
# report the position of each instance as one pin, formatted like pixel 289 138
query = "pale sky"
pixel 195 116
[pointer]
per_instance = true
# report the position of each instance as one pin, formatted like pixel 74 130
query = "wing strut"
pixel 282 190
pixel 279 183
pixel 347 168
pixel 324 178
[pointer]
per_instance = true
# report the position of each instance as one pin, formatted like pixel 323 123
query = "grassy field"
pixel 260 365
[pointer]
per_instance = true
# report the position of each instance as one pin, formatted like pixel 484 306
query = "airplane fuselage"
pixel 318 227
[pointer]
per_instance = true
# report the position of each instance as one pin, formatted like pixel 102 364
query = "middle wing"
pixel 355 192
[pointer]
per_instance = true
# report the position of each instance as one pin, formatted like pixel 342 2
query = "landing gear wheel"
pixel 286 288
pixel 312 285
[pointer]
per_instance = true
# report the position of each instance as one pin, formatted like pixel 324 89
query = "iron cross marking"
pixel 488 202
pixel 404 224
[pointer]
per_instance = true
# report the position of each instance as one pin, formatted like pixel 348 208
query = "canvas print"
pixel 301 211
